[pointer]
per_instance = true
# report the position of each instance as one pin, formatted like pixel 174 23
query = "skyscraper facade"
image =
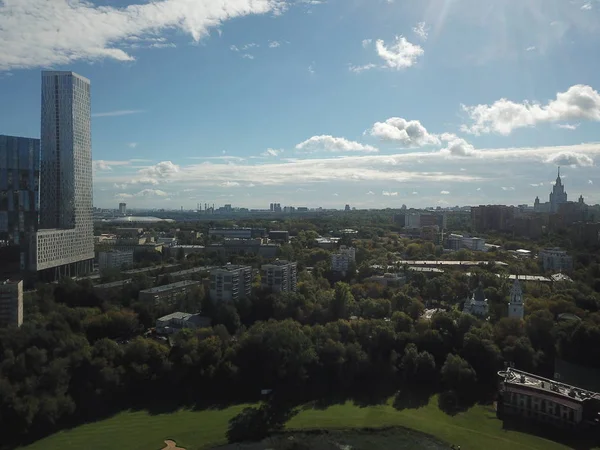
pixel 19 200
pixel 65 242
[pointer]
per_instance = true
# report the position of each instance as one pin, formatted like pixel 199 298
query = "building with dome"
pixel 477 305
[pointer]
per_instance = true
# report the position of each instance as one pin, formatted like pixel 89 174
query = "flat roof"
pixel 231 267
pixel 190 271
pixel 169 287
pixel 519 378
pixel 113 284
pixel 449 263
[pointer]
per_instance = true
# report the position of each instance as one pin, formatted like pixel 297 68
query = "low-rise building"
pixel 343 259
pixel 547 401
pixel 474 243
pixel 115 259
pixel 477 305
pixel 230 283
pixel 327 243
pixel 556 260
pixel 106 291
pixel 454 242
pixel 282 237
pixel 387 279
pixel 279 276
pixel 168 292
pixel 189 274
pixel 177 321
pixel 237 233
pixel 11 303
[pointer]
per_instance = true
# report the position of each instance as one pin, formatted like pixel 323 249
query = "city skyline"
pixel 381 104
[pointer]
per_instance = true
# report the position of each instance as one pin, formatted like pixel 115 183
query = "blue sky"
pixel 375 103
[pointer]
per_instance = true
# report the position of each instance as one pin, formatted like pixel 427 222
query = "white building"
pixel 474 243
pixel 477 305
pixel 516 305
pixel 343 259
pixel 556 260
pixel 65 243
pixel 454 242
pixel 279 276
pixel 176 321
pixel 11 303
pixel 230 283
pixel 115 259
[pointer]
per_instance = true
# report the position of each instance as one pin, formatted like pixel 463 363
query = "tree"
pixel 343 303
pixel 457 374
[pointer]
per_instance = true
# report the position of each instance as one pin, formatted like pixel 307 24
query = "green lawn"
pixel 476 429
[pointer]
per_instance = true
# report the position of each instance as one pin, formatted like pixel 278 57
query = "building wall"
pixel 11 303
pixel 19 194
pixel 282 277
pixel 66 227
pixel 230 283
pixel 555 260
pixel 341 261
pixel 115 259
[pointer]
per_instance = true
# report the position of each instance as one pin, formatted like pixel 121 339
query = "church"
pixel 516 305
pixel 558 197
pixel 477 305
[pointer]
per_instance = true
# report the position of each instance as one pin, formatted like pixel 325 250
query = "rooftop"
pixel 169 287
pixel 113 284
pixel 231 267
pixel 192 271
pixel 198 319
pixel 449 263
pixel 518 377
pixel 278 262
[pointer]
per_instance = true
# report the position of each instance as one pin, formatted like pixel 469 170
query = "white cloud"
pixel 311 69
pixel 335 194
pixel 421 30
pixel 457 146
pixel 230 184
pixel 150 181
pixel 509 188
pixel 360 69
pixel 407 132
pixel 399 55
pixel 247 56
pixel 590 182
pixel 570 159
pixel 101 165
pixel 42 33
pixel 503 116
pixel 143 193
pixel 370 193
pixel 531 48
pixel 568 126
pixel 162 170
pixel 415 193
pixel 122 112
pixel 274 44
pixel 132 144
pixel 366 42
pixel 333 144
pixel 586 6
pixel 389 194
pixel 445 193
pixel 272 152
pixel 478 189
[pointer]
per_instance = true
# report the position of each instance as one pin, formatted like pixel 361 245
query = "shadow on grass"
pixel 584 440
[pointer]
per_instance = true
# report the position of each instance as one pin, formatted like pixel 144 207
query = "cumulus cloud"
pixel 570 159
pixel 366 42
pixel 42 33
pixel 360 69
pixel 445 193
pixel 333 144
pixel 579 102
pixel 230 184
pixel 143 193
pixel 162 170
pixel 370 193
pixel 102 165
pixel 399 55
pixel 590 182
pixel 568 126
pixel 456 146
pixel 132 144
pixel 509 188
pixel 407 132
pixel 274 44
pixel 389 194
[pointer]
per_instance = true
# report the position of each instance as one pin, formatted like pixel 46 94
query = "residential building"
pixel 168 292
pixel 474 243
pixel 516 305
pixel 230 283
pixel 244 246
pixel 454 242
pixel 547 401
pixel 106 291
pixel 387 279
pixel 123 208
pixel 237 233
pixel 477 305
pixel 189 274
pixel 177 321
pixel 327 243
pixel 279 276
pixel 492 218
pixel 64 244
pixel 282 237
pixel 126 232
pixel 11 303
pixel 115 259
pixel 343 259
pixel 556 260
pixel 19 200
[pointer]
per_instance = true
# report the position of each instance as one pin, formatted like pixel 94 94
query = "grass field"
pixel 139 430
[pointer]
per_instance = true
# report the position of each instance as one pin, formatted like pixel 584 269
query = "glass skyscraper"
pixel 19 200
pixel 65 241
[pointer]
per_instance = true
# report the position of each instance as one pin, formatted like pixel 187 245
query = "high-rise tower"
pixel 65 242
pixel 558 196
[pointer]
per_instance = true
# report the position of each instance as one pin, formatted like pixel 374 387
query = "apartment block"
pixel 230 283
pixel 169 292
pixel 19 199
pixel 343 259
pixel 492 218
pixel 474 243
pixel 556 260
pixel 279 276
pixel 115 259
pixel 11 303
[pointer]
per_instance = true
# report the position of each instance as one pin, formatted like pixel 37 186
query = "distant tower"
pixel 515 307
pixel 558 196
